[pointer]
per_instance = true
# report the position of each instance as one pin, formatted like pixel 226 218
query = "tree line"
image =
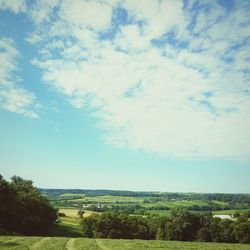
pixel 181 225
pixel 228 198
pixel 23 209
pixel 232 201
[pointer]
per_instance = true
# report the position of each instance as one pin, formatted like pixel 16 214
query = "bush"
pixel 60 214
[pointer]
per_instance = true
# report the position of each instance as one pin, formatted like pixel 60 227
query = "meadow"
pixel 60 243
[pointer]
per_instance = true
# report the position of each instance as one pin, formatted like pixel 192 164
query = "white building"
pixel 223 216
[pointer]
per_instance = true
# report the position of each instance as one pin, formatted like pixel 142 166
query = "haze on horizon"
pixel 127 95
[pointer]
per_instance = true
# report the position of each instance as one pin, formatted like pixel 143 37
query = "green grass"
pixel 136 200
pixel 108 199
pixel 230 211
pixel 160 212
pixel 221 203
pixel 68 226
pixel 71 195
pixel 59 243
pixel 122 200
pixel 72 212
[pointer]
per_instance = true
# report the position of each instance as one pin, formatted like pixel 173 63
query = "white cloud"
pixel 41 10
pixel 176 100
pixel 93 14
pixel 13 97
pixel 209 15
pixel 13 5
pixel 157 16
pixel 131 38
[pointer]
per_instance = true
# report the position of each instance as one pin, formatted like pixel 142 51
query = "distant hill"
pixel 224 197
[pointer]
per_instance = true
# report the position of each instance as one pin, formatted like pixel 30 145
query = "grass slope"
pixel 59 243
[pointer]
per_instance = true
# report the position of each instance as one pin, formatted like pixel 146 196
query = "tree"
pixel 242 230
pixel 80 213
pixel 236 215
pixel 88 225
pixel 162 231
pixel 24 209
pixel 60 214
pixel 7 204
pixel 184 225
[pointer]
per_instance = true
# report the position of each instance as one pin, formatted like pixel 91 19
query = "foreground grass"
pixel 59 243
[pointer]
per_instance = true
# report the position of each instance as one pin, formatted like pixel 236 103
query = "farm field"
pixel 76 199
pixel 115 200
pixel 60 243
pixel 72 212
pixel 70 224
pixel 143 205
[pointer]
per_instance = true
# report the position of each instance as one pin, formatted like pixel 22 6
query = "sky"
pixel 131 95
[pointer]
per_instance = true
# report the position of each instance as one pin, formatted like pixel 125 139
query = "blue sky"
pixel 136 95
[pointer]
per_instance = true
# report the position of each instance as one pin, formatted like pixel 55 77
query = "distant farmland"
pixel 144 203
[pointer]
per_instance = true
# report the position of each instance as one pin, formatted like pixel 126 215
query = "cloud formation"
pixel 13 97
pixel 13 6
pixel 166 77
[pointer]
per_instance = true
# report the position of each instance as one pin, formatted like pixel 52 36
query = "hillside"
pixel 60 243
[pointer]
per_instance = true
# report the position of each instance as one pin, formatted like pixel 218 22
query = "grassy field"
pixel 229 211
pixel 78 199
pixel 70 224
pixel 59 243
pixel 72 213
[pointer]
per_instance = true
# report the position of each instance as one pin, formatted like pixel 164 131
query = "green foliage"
pixel 24 209
pixel 163 229
pixel 242 230
pixel 117 226
pixel 80 213
pixel 88 226
pixel 236 215
pixel 222 230
pixel 60 214
pixel 182 226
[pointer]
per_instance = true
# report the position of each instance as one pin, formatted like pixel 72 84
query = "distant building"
pixel 223 216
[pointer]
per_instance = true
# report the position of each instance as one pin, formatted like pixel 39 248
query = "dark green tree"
pixel 184 225
pixel 24 209
pixel 80 213
pixel 242 230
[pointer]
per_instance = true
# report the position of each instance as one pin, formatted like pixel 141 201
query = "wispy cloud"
pixel 14 6
pixel 161 76
pixel 13 97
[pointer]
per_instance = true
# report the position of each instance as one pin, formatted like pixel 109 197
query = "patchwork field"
pixel 60 243
pixel 72 212
pixel 70 203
